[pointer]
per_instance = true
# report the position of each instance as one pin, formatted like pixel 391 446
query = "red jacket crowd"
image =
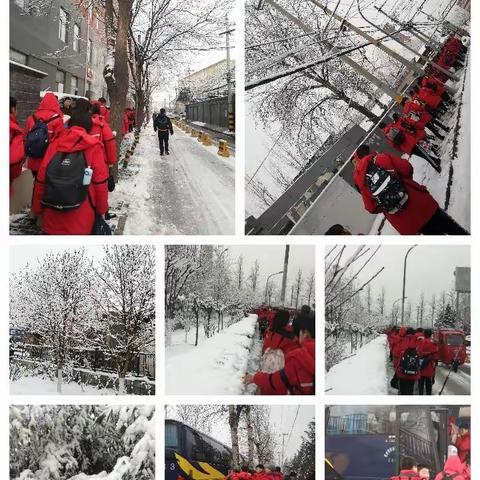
pixel 260 473
pixel 67 136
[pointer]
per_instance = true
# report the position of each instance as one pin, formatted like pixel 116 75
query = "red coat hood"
pixel 305 355
pixel 49 102
pixel 402 331
pixel 14 126
pixel 75 139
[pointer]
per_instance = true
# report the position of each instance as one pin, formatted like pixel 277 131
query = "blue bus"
pixel 193 455
pixel 368 442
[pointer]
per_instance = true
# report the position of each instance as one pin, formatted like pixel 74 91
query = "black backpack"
pixel 64 189
pixel 387 190
pixel 161 122
pixel 425 361
pixel 36 142
pixel 410 362
pixel 396 136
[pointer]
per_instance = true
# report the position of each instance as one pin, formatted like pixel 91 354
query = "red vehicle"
pixel 452 347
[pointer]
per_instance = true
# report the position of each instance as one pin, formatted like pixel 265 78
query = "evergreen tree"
pixel 447 318
pixel 303 462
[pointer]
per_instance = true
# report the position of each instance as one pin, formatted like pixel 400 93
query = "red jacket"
pixel 125 123
pixel 261 476
pixel 276 340
pixel 434 83
pixel 454 468
pixel 407 341
pixel 105 112
pixel 407 475
pixel 278 475
pixel 463 446
pixel 102 130
pixel 49 109
pixel 242 476
pixel 428 96
pixel 78 221
pixel 428 348
pixel 17 152
pixel 412 107
pixel 297 377
pixel 409 142
pixel 420 205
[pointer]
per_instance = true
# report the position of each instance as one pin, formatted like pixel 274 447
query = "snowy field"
pixel 42 386
pixel 364 373
pixel 191 191
pixel 216 366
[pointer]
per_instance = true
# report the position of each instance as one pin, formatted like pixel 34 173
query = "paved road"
pixel 189 192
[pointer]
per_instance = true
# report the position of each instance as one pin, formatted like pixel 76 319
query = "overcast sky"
pixel 282 419
pixel 271 261
pixel 429 269
pixel 21 255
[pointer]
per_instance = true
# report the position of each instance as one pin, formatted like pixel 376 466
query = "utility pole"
pixel 283 448
pixel 359 69
pixel 405 281
pixel 284 277
pixel 231 115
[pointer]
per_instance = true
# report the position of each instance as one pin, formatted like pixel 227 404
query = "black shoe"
pixel 161 154
pixel 109 215
pixel 168 153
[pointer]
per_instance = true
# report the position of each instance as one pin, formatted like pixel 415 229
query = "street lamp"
pixel 393 306
pixel 266 285
pixel 404 280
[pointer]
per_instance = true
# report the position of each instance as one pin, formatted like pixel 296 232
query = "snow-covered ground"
pixel 189 192
pixel 42 386
pixel 364 373
pixel 216 366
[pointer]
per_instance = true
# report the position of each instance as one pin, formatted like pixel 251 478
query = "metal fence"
pixel 213 112
pixel 142 364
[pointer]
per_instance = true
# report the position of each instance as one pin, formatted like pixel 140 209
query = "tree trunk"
pixel 59 380
pixel 233 418
pixel 117 84
pixel 248 415
pixel 121 384
pixel 197 324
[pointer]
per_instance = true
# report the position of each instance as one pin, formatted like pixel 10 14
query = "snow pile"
pixel 216 366
pixel 364 373
pixel 45 386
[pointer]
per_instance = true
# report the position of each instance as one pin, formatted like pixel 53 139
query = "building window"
pixel 60 81
pixel 18 57
pixel 90 51
pixel 74 85
pixel 76 38
pixel 63 25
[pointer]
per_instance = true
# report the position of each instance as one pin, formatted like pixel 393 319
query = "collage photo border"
pixel 321 399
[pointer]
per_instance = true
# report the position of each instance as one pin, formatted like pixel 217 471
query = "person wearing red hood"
pixel 102 130
pixel 404 137
pixel 260 473
pixel 298 375
pixel 125 124
pixel 428 352
pixel 50 113
pixel 17 151
pixel 420 214
pixel 461 439
pixel 104 111
pixel 406 362
pixel 74 220
pixel 278 337
pixel 392 340
pixel 277 474
pixel 453 469
pixel 408 470
pixel 131 114
pixel 432 101
pixel 243 474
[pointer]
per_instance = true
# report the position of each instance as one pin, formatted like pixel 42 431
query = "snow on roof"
pixel 26 67
pixel 61 95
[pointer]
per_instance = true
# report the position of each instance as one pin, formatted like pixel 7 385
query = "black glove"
pixel 111 183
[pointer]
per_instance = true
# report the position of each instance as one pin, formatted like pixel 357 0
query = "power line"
pixel 293 424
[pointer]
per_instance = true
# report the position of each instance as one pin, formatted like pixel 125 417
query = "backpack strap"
pixel 285 381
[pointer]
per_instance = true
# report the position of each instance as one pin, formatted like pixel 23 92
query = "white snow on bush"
pixel 216 366
pixel 44 386
pixel 364 373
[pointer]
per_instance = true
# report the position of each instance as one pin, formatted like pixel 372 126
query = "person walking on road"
pixel 163 125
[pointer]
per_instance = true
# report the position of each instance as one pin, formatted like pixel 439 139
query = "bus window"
pixel 361 420
pixel 455 340
pixel 205 449
pixel 171 435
